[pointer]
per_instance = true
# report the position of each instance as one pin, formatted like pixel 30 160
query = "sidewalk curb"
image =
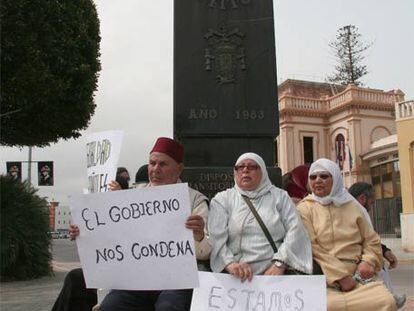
pixel 64 266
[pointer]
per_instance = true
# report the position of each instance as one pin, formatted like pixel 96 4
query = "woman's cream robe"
pixel 341 238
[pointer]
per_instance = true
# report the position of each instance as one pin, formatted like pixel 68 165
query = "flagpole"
pixel 350 159
pixel 29 170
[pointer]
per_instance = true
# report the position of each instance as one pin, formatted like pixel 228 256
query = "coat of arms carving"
pixel 225 53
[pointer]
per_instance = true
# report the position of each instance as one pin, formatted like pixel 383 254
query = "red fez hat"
pixel 170 147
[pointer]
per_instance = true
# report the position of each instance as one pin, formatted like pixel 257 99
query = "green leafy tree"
pixel 50 64
pixel 349 53
pixel 24 247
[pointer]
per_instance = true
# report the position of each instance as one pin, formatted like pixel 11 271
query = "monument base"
pixel 224 151
pixel 211 180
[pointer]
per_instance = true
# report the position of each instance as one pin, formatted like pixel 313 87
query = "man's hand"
pixel 240 270
pixel 196 223
pixel 347 283
pixel 391 259
pixel 366 270
pixel 273 270
pixel 73 231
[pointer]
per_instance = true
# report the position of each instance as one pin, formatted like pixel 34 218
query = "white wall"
pixel 63 218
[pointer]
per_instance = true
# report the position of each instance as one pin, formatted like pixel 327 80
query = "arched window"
pixel 340 150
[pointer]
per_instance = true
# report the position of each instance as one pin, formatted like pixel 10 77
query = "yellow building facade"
pixel 405 133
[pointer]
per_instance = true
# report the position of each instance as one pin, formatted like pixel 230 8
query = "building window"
pixel 376 181
pixel 307 150
pixel 386 180
pixel 387 184
pixel 340 150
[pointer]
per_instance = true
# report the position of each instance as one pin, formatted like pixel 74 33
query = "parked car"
pixel 63 234
pixel 54 234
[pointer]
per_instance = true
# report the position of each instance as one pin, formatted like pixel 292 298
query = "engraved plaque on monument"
pixel 225 88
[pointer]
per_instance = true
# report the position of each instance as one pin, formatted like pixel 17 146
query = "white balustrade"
pixel 350 94
pixel 302 103
pixel 405 109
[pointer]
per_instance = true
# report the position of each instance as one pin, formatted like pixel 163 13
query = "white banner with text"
pixel 220 291
pixel 136 239
pixel 102 155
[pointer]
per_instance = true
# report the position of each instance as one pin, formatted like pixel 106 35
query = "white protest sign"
pixel 136 239
pixel 219 291
pixel 102 154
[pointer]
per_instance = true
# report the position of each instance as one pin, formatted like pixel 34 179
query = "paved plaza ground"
pixel 40 294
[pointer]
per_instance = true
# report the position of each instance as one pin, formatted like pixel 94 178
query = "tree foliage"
pixel 349 53
pixel 50 64
pixel 24 230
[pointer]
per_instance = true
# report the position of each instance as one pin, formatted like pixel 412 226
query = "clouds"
pixel 135 88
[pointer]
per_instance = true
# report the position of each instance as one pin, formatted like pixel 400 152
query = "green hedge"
pixel 25 251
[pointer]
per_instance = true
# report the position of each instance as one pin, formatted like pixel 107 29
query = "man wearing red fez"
pixel 164 168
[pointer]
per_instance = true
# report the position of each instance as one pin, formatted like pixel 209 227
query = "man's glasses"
pixel 322 176
pixel 240 168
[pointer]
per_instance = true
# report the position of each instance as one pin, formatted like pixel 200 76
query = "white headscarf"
pixel 339 195
pixel 265 183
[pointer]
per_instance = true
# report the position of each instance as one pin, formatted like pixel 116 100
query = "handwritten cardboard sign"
pixel 136 239
pixel 219 291
pixel 102 155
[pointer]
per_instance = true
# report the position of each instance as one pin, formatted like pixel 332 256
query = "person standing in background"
pixel 364 193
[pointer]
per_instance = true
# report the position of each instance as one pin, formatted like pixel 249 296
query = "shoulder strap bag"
pixel 289 270
pixel 261 223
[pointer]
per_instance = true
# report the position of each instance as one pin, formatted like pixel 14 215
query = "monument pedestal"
pixel 225 88
pixel 211 180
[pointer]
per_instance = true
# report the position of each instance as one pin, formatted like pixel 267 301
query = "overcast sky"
pixel 135 91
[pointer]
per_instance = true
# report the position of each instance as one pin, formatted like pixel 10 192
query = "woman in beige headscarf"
pixel 343 242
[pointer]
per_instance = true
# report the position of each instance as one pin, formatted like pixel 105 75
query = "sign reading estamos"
pixel 219 291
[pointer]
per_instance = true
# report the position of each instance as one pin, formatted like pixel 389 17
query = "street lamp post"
pixel 29 169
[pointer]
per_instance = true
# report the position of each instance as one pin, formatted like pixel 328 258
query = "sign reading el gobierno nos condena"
pixel 136 239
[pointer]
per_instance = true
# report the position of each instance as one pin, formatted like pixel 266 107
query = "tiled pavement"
pixel 40 294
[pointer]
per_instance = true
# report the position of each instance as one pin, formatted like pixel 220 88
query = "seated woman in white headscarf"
pixel 343 242
pixel 239 245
